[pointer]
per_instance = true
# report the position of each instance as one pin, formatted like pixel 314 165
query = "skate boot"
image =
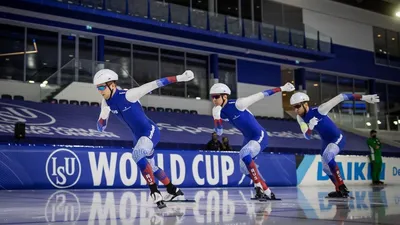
pixel 158 199
pixel 176 194
pixel 335 194
pixel 261 194
pixel 343 190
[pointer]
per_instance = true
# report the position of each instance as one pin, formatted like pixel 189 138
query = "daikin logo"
pixel 351 171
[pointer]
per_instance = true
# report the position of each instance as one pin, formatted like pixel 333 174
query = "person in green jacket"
pixel 374 145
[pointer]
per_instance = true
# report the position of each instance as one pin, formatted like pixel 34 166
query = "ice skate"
pixel 174 195
pixel 261 194
pixel 158 199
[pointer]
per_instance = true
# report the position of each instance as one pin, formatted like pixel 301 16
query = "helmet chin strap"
pixel 111 90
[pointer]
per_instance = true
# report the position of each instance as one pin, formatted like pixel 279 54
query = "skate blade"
pixel 340 198
pixel 161 206
pixel 181 200
pixel 265 200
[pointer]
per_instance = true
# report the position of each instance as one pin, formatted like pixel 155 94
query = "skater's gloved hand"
pixel 313 122
pixel 105 112
pixel 186 76
pixel 288 87
pixel 370 98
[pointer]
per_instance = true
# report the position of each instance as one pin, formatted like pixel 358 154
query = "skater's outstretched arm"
pixel 103 118
pixel 304 128
pixel 327 106
pixel 216 111
pixel 135 94
pixel 244 103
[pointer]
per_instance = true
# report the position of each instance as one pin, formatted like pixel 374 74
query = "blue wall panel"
pixel 357 62
pixel 258 73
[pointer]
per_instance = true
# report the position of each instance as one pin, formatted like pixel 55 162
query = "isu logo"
pixel 62 206
pixel 63 168
pixel 11 114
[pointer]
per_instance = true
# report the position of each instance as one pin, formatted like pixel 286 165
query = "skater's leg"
pixel 248 166
pixel 143 148
pixel 160 174
pixel 328 156
pixel 328 172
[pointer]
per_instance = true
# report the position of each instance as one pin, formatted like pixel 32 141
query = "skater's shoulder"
pixel 231 101
pixel 231 104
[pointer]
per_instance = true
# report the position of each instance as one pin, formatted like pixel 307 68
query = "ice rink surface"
pixel 305 205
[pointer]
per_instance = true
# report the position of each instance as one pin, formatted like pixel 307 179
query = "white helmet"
pixel 220 88
pixel 103 76
pixel 299 97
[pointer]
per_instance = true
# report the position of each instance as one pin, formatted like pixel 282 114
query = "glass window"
pixel 200 4
pixel 68 71
pixel 394 99
pixel 287 75
pixel 118 6
pixel 67 49
pixel 42 64
pixel 86 68
pixel 246 9
pixel 118 58
pixel 198 88
pixel 313 87
pixel 172 63
pixel 86 48
pixel 228 7
pixel 380 46
pixel 257 10
pixel 272 13
pixel 328 87
pixel 138 8
pixel 345 86
pixel 293 17
pixel 382 105
pixel 392 41
pixel 12 40
pixel 394 106
pixel 227 74
pixel 362 110
pixel 97 4
pixel 145 64
pixel 180 2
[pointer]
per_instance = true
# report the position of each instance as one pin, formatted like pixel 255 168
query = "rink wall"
pixel 354 169
pixel 48 167
pixel 34 167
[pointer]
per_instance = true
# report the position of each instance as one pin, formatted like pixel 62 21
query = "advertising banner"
pixel 57 121
pixel 29 167
pixel 354 170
